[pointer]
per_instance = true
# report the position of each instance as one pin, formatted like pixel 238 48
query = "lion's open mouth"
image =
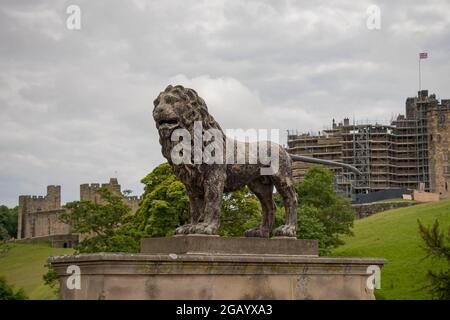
pixel 168 121
pixel 167 124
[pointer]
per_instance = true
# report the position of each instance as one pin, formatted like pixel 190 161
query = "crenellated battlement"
pixel 89 191
pixel 139 198
pixel 133 202
pixel 95 185
pixel 32 197
pixel 91 185
pixel 34 203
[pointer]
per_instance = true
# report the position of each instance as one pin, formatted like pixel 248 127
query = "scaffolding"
pixel 361 157
pixel 389 156
pixel 422 143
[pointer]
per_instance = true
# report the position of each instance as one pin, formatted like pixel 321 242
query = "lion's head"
pixel 178 108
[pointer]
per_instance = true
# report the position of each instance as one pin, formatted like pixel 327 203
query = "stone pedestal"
pixel 202 267
pixel 215 245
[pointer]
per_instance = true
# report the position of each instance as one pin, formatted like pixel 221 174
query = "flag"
pixel 423 55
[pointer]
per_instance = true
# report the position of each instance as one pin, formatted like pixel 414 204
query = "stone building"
pixel 38 218
pixel 411 150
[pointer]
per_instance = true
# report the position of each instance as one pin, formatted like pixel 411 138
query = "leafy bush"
pixel 165 206
pixel 105 225
pixel 7 291
pixel 8 222
pixel 323 213
pixel 437 246
pixel 51 278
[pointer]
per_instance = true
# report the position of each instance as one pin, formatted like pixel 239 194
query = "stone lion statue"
pixel 180 108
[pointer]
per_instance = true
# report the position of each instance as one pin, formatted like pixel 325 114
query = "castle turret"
pixel 32 204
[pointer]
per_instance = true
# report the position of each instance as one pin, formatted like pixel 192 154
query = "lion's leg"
pixel 213 186
pixel 197 204
pixel 264 193
pixel 286 189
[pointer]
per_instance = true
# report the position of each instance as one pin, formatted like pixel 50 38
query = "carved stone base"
pixel 188 273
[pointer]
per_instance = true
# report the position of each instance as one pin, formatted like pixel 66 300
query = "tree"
pixel 240 212
pixel 106 224
pixel 3 233
pixel 127 192
pixel 323 215
pixel 164 205
pixel 8 222
pixel 437 246
pixel 51 278
pixel 7 291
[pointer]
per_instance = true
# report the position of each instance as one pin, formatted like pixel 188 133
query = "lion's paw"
pixel 185 229
pixel 204 228
pixel 257 233
pixel 285 231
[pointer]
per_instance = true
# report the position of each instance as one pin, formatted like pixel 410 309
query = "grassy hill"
pixel 23 267
pixel 394 235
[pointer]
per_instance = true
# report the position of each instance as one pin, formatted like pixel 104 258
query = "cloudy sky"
pixel 76 104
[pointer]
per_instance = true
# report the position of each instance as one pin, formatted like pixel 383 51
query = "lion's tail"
pixel 296 157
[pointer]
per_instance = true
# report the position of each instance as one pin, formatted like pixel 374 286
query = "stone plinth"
pixel 191 244
pixel 187 274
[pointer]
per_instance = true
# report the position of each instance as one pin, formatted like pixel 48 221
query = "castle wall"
pixel 56 241
pixel 133 202
pixel 46 223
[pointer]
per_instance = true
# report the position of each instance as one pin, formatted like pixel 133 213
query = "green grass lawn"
pixel 394 235
pixel 24 265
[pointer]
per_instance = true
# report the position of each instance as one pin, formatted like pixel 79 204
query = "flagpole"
pixel 420 76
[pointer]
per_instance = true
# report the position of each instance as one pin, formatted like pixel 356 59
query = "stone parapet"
pixel 368 209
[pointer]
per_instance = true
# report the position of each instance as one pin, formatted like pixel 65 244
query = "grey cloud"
pixel 76 105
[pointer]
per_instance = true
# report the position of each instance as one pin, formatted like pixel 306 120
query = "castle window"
pixel 445 156
pixel 446 170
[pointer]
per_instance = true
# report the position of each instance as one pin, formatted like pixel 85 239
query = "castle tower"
pixel 113 186
pixel 439 148
pixel 34 204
